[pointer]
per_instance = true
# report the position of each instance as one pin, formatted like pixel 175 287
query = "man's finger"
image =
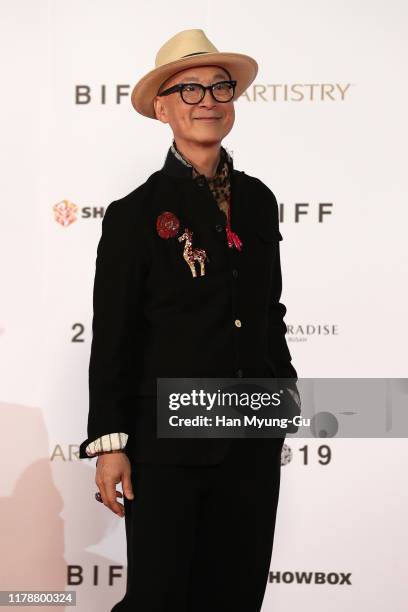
pixel 108 494
pixel 118 493
pixel 110 490
pixel 127 485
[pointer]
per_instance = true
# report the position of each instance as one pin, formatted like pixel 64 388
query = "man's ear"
pixel 160 110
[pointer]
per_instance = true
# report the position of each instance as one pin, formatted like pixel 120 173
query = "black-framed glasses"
pixel 193 93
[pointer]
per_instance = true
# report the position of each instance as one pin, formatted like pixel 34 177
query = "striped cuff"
pixel 107 443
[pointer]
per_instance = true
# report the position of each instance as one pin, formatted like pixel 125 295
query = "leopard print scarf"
pixel 220 184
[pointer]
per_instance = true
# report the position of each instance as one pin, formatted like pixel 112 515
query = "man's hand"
pixel 112 468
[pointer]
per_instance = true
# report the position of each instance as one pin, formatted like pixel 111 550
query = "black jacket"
pixel 152 318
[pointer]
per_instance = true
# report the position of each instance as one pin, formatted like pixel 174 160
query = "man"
pixel 187 284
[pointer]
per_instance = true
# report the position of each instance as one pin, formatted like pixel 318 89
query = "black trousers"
pixel 200 538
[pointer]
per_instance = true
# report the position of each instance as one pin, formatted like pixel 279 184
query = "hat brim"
pixel 241 67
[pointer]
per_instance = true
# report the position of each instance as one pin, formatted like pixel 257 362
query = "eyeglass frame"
pixel 179 88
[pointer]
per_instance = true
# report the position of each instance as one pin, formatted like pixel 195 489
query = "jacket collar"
pixel 175 165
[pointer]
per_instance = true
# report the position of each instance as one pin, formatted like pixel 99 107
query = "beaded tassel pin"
pixel 232 238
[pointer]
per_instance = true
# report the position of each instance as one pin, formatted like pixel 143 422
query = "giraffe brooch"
pixel 168 226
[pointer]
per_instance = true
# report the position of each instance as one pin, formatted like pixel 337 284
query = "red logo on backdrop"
pixel 65 212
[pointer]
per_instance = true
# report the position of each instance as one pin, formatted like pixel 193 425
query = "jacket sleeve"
pixel 121 266
pixel 278 347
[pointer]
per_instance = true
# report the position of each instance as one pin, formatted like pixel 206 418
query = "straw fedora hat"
pixel 186 49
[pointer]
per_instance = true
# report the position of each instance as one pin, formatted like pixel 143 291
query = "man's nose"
pixel 208 99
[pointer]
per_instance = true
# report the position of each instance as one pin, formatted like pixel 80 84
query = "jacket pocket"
pixel 264 251
pixel 268 235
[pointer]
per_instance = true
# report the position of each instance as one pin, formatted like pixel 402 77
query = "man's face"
pixel 207 122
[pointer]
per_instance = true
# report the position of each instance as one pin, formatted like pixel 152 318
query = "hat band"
pixel 195 53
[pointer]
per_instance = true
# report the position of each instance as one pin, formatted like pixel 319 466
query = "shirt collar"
pixel 177 165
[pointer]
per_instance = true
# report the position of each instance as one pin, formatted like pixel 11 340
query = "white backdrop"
pixel 323 123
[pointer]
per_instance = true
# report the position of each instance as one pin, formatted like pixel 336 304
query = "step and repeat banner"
pixel 324 126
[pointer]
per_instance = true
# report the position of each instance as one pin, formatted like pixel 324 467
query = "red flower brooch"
pixel 167 225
